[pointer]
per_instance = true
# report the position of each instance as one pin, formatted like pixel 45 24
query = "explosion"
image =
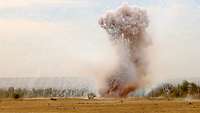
pixel 126 28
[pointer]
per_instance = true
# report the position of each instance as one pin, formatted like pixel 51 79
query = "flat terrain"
pixel 132 105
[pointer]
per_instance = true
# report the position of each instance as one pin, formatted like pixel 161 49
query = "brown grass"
pixel 132 105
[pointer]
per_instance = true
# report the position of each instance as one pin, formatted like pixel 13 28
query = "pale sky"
pixel 63 38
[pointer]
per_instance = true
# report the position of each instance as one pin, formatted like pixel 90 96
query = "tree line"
pixel 12 92
pixel 183 89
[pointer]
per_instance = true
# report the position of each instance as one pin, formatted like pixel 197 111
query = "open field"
pixel 98 106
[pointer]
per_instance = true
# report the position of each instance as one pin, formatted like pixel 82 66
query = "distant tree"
pixel 34 93
pixel 20 92
pixel 11 91
pixel 194 88
pixel 167 89
pixel 184 86
pixel 4 93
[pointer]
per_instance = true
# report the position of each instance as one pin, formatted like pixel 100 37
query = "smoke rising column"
pixel 126 28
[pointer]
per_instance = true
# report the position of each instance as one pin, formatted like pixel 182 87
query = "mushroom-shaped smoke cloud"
pixel 126 29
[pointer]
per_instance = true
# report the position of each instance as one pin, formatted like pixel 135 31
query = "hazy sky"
pixel 63 38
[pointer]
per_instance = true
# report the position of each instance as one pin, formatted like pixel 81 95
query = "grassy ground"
pixel 98 106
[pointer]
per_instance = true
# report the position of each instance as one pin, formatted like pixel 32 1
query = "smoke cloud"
pixel 126 28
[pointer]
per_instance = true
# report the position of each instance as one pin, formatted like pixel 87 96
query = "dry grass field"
pixel 132 105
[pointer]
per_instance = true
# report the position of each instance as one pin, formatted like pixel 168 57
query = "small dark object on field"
pixel 53 99
pixel 16 96
pixel 189 103
pixel 91 96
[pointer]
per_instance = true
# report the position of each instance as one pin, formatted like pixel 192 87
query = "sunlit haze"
pixel 52 38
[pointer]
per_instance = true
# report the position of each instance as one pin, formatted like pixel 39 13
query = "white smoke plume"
pixel 126 28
